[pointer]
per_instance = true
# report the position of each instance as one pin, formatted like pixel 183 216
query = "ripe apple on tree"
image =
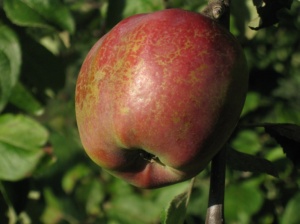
pixel 159 95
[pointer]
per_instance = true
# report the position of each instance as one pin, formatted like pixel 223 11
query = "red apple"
pixel 159 95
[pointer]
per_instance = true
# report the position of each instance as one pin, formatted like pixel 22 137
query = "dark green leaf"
pixel 268 12
pixel 10 62
pixel 42 71
pixel 23 99
pixel 5 82
pixel 288 136
pixel 17 192
pixel 21 139
pixel 176 210
pixel 39 13
pixel 244 162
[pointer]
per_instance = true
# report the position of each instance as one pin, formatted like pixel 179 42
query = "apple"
pixel 159 95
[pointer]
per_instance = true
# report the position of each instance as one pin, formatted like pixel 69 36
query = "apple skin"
pixel 159 95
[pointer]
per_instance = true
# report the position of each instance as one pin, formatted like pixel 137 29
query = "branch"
pixel 215 210
pixel 218 10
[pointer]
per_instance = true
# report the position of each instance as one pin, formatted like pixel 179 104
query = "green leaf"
pixel 21 139
pixel 91 193
pixel 244 162
pixel 146 6
pixel 40 13
pixel 74 175
pixel 243 12
pixel 22 131
pixel 268 12
pixel 242 201
pixel 42 71
pixel 23 99
pixel 10 63
pixel 176 210
pixel 247 141
pixel 252 102
pixel 135 207
pixel 288 136
pixel 53 212
pixel 291 212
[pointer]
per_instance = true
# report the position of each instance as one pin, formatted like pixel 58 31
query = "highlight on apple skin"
pixel 159 95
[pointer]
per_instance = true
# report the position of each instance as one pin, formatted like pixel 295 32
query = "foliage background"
pixel 45 176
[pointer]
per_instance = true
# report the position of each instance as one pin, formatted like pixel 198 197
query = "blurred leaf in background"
pixel 10 62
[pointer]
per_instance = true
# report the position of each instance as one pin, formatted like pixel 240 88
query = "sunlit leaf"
pixel 176 210
pixel 243 12
pixel 21 139
pixel 39 13
pixel 251 103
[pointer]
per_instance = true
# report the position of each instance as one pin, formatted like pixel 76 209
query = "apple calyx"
pixel 149 157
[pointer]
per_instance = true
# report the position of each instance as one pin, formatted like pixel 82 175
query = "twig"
pixel 215 210
pixel 218 10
